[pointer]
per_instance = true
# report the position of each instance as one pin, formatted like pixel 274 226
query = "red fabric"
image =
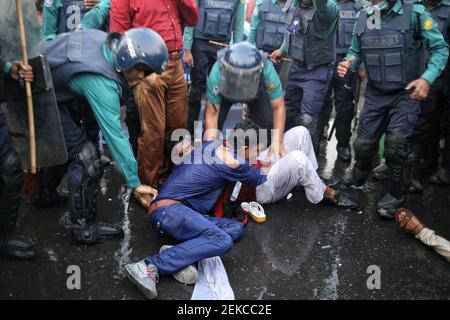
pixel 250 7
pixel 167 17
pixel 246 194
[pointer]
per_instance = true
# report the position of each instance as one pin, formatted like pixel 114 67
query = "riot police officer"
pixel 84 64
pixel 310 40
pixel 61 16
pixel 344 94
pixel 219 22
pixel 388 39
pixel 244 74
pixel 11 175
pixel 267 26
pixel 434 110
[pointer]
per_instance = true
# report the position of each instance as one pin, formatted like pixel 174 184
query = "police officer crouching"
pixel 93 65
pixel 391 51
pixel 219 21
pixel 244 74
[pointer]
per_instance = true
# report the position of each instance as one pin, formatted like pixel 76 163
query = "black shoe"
pixel 381 173
pixel 415 186
pixel 388 205
pixel 18 247
pixel 441 176
pixel 341 200
pixel 344 154
pixel 95 233
pixel 49 199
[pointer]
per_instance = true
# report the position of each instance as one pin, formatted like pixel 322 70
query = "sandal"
pixel 408 221
pixel 254 210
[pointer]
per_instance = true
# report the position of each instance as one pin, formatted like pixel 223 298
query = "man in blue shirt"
pixel 196 184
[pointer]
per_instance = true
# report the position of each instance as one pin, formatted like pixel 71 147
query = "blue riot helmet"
pixel 241 66
pixel 141 46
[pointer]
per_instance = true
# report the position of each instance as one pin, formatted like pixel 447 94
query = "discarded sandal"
pixel 254 210
pixel 408 221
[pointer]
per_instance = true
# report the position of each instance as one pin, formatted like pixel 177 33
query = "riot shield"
pixel 284 72
pixel 50 145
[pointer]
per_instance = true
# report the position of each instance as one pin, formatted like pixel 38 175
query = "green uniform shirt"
pixel 238 27
pixel 97 16
pixel 325 19
pixel 429 35
pixel 271 80
pixel 6 65
pixel 103 95
pixel 256 19
pixel 94 19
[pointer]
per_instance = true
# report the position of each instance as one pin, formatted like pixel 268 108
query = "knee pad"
pixel 89 157
pixel 397 148
pixel 364 152
pixel 11 172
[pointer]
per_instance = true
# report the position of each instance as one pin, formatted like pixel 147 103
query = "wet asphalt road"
pixel 303 251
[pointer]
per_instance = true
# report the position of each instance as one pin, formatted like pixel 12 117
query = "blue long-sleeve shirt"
pixel 200 178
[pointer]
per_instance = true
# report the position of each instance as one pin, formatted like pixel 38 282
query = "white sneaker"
pixel 144 277
pixel 188 275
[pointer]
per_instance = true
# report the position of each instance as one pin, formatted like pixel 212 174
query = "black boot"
pixel 17 247
pixel 355 177
pixel 83 202
pixel 388 205
pixel 381 172
pixel 12 179
pixel 344 153
pixel 441 176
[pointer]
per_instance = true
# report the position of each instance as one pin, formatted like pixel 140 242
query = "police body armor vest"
pixel 271 29
pixel 347 18
pixel 216 19
pixel 74 53
pixel 390 56
pixel 303 43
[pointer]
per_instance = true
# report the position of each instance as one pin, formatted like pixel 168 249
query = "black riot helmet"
pixel 241 66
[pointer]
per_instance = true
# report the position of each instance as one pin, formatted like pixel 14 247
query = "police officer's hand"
pixel 145 194
pixel 276 56
pixel 88 4
pixel 421 89
pixel 188 58
pixel 19 71
pixel 343 66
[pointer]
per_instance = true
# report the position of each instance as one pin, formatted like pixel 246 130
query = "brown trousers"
pixel 162 104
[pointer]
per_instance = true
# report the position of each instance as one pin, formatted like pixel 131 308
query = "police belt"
pixel 160 204
pixel 302 64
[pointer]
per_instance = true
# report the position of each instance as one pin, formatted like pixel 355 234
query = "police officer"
pixel 61 16
pixel 434 110
pixel 244 74
pixel 310 41
pixel 219 21
pixel 11 175
pixel 388 38
pixel 267 26
pixel 343 93
pixel 84 64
